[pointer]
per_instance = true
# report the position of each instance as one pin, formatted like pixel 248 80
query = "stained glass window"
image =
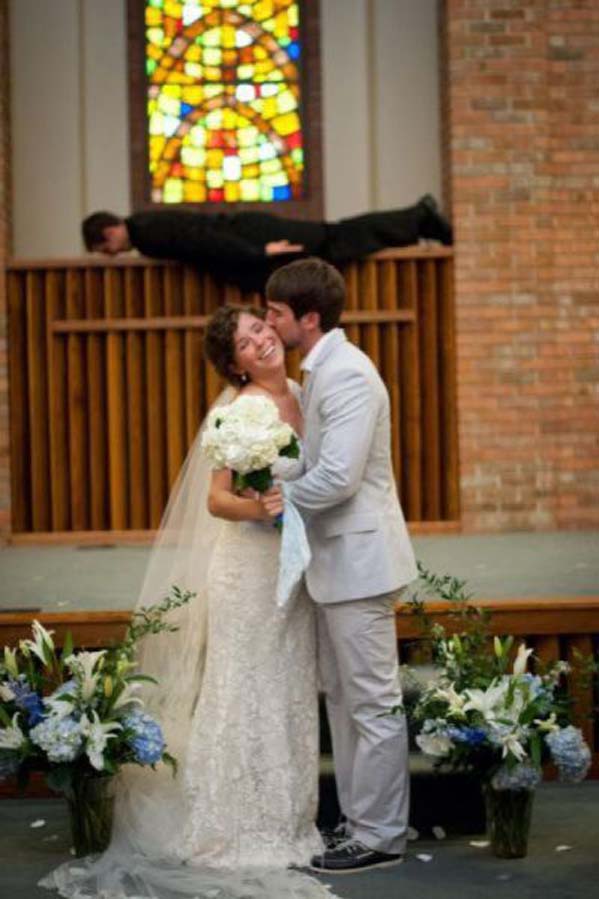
pixel 223 101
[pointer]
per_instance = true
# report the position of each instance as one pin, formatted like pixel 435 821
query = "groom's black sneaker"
pixel 352 856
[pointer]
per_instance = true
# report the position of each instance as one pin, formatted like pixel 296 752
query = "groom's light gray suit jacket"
pixel 357 533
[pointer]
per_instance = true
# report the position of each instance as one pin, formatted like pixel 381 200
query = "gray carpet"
pixel 563 816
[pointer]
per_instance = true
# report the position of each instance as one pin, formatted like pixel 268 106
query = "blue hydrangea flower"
pixel 146 740
pixel 570 753
pixel 34 707
pixel 536 686
pixel 60 738
pixel 524 776
pixel 27 700
pixel 473 736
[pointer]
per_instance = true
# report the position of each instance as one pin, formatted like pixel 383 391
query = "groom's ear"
pixel 311 321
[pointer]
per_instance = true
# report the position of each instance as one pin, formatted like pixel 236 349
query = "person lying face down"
pixel 245 247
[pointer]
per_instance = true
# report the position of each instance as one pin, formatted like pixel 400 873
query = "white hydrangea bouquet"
pixel 75 715
pixel 487 714
pixel 248 436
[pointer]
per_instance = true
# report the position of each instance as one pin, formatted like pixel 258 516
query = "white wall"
pixel 406 153
pixel 45 134
pixel 70 119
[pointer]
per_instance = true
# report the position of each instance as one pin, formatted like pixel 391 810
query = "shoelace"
pixel 352 847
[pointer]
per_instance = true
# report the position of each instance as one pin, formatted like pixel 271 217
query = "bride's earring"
pixel 243 378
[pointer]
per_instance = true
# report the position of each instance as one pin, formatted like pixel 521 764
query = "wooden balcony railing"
pixel 108 384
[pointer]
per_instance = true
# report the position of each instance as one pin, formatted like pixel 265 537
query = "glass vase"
pixel 508 821
pixel 91 806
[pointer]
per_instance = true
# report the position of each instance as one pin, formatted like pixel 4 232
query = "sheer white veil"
pixel 180 556
pixel 150 805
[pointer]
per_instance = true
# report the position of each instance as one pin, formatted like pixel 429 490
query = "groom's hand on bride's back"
pixel 272 502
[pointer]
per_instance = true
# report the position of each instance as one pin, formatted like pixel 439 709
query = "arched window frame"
pixel 308 207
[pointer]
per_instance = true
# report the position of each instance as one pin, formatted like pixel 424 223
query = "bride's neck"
pixel 276 385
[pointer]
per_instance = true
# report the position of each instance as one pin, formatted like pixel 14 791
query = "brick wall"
pixel 522 142
pixel 4 249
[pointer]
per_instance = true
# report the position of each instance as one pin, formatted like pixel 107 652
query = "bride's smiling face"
pixel 258 348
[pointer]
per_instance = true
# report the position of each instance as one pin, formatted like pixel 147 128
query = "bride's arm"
pixel 224 503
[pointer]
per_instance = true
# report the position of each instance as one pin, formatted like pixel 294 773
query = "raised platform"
pixel 497 566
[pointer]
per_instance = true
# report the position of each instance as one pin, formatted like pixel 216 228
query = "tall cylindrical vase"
pixel 508 821
pixel 91 806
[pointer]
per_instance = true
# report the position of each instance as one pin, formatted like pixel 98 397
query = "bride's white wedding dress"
pixel 251 775
pixel 243 806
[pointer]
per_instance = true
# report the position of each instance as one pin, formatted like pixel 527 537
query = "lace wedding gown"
pixel 252 773
pixel 243 806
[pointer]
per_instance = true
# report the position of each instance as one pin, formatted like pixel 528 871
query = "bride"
pixel 237 694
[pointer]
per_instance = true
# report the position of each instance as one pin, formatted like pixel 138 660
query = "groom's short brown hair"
pixel 309 285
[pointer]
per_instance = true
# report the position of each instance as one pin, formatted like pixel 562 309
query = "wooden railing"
pixel 554 628
pixel 108 384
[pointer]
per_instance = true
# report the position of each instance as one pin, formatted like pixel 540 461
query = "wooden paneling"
pixel 108 384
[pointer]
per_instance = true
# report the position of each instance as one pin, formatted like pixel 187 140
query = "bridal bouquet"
pixel 247 436
pixel 75 714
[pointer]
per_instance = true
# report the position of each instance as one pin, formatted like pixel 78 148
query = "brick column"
pixel 5 203
pixel 522 115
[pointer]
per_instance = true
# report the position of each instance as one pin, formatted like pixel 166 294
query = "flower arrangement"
pixel 73 714
pixel 247 436
pixel 487 714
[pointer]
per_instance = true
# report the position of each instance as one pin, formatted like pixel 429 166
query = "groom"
pixel 361 557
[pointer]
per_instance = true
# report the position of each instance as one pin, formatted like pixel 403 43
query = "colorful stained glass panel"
pixel 223 101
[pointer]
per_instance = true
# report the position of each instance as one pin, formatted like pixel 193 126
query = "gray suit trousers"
pixel 357 652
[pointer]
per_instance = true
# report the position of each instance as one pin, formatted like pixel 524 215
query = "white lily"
pixel 97 736
pixel 82 665
pixel 127 697
pixel 510 743
pixel 12 737
pixel 486 701
pixel 6 694
pixel 59 708
pixel 10 661
pixel 42 640
pixel 454 700
pixel 435 744
pixel 549 725
pixel 521 660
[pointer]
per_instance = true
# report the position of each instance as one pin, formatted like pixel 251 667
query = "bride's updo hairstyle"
pixel 219 339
